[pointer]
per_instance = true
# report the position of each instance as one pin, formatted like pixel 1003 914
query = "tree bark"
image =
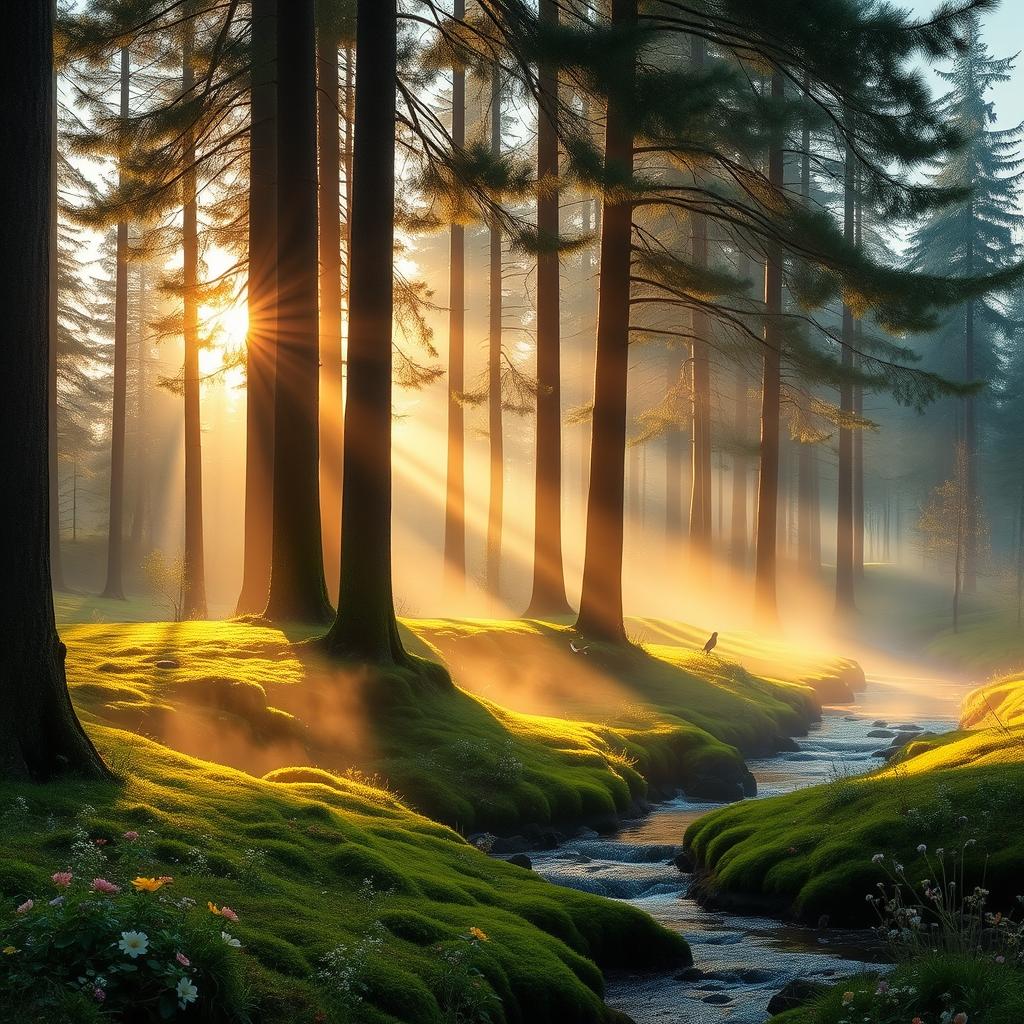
pixel 40 735
pixel 261 358
pixel 738 545
pixel 700 495
pixel 674 367
pixel 765 541
pixel 194 596
pixel 600 612
pixel 114 587
pixel 455 486
pixel 548 598
pixel 366 628
pixel 970 584
pixel 331 396
pixel 53 453
pixel 141 448
pixel 298 591
pixel 844 511
pixel 495 428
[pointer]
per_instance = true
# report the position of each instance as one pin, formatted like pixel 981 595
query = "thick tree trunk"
pixel 194 596
pixel 768 478
pixel 700 496
pixel 40 736
pixel 858 408
pixel 600 613
pixel 115 528
pixel 53 459
pixel 331 396
pixel 261 358
pixel 365 627
pixel 495 428
pixel 298 591
pixel 845 575
pixel 548 577
pixel 738 542
pixel 455 486
pixel 141 448
pixel 674 366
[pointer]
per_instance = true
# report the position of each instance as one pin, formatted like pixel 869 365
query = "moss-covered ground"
pixel 314 867
pixel 809 853
pixel 610 722
pixel 923 989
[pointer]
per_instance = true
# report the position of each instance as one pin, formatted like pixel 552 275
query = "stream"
pixel 740 961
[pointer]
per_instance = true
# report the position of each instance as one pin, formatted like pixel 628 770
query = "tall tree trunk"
pixel 261 358
pixel 298 592
pixel 365 627
pixel 53 453
pixel 141 448
pixel 970 585
pixel 495 428
pixel 455 486
pixel 548 577
pixel 601 598
pixel 40 736
pixel 115 531
pixel 858 408
pixel 674 367
pixel 845 574
pixel 331 397
pixel 768 478
pixel 700 497
pixel 738 544
pixel 194 595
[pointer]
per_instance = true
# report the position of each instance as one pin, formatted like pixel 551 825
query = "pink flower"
pixel 1000 959
pixel 100 842
pixel 960 1018
pixel 227 912
pixel 61 879
pixel 98 994
pixel 883 987
pixel 917 1020
pixel 26 906
pixel 131 836
pixel 102 885
pixel 183 960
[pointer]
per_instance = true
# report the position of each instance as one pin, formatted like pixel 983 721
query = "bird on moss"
pixel 712 642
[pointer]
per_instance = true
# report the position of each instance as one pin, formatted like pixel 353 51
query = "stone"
pixel 795 993
pixel 521 861
pixel 166 663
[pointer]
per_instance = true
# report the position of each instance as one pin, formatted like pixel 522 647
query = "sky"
pixel 1003 30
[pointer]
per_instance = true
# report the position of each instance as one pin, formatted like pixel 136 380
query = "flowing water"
pixel 740 961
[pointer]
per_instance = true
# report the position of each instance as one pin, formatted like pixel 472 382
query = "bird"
pixel 712 642
pixel 578 650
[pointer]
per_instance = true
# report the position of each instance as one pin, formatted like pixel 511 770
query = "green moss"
pixel 362 874
pixel 811 850
pixel 265 701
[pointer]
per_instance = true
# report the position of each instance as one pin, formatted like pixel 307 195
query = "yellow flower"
pixel 479 934
pixel 10 951
pixel 148 884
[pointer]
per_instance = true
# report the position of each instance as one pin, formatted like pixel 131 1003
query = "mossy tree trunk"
pixel 261 359
pixel 766 538
pixel 455 477
pixel 331 397
pixel 365 628
pixel 298 591
pixel 40 735
pixel 194 597
pixel 114 587
pixel 600 612
pixel 548 598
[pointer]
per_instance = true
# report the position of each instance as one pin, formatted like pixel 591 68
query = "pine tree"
pixel 40 735
pixel 973 236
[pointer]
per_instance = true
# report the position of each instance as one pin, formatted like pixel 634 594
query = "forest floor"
pixel 327 859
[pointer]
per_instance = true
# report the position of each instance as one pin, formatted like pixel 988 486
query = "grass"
pixel 261 699
pixel 924 988
pixel 809 853
pixel 314 866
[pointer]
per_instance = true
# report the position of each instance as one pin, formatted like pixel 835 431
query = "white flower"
pixel 186 992
pixel 230 940
pixel 134 944
pixel 922 848
pixel 878 858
